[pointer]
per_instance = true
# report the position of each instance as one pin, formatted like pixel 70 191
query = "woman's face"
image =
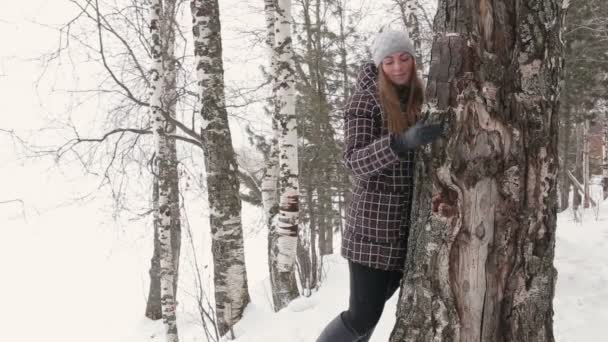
pixel 399 67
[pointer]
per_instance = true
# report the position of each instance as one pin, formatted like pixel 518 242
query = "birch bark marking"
pixel 481 246
pixel 230 276
pixel 269 181
pixel 283 234
pixel 160 138
pixel 169 101
pixel 283 283
pixel 288 155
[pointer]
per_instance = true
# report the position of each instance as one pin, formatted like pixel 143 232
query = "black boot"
pixel 338 331
pixel 366 337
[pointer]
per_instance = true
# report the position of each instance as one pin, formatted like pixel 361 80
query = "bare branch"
pixel 128 94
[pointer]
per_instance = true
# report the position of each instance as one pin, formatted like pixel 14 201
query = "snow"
pixel 70 275
pixel 581 298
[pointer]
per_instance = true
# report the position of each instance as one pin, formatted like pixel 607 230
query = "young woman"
pixel 381 135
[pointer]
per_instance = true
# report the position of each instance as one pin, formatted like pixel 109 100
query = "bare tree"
pixel 159 26
pixel 481 245
pixel 231 290
pixel 283 242
pixel 165 160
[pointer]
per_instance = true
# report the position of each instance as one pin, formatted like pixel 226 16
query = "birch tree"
pixel 481 245
pixel 270 201
pixel 167 31
pixel 159 26
pixel 230 276
pixel 283 281
pixel 283 243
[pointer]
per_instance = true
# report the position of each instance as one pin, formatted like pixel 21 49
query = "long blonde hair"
pixel 397 120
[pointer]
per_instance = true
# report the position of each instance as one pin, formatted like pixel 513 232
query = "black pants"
pixel 370 288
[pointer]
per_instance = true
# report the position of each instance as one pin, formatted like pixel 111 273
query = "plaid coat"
pixel 377 217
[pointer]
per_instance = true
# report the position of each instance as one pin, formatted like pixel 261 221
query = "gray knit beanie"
pixel 389 42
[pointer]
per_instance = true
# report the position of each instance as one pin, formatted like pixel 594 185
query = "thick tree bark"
pixel 481 246
pixel 164 171
pixel 230 275
pixel 283 243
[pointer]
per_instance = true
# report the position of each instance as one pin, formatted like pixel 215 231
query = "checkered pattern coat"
pixel 377 218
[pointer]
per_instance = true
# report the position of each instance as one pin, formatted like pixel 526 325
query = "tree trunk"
pixel 284 243
pixel 564 183
pixel 169 101
pixel 586 163
pixel 162 165
pixel 481 245
pixel 270 200
pixel 230 275
pixel 153 307
pixel 577 198
pixel 605 158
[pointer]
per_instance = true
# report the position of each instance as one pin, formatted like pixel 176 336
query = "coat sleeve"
pixel 364 154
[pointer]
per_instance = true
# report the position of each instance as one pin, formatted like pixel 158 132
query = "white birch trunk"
pixel 269 181
pixel 160 137
pixel 230 276
pixel 288 141
pixel 283 218
pixel 170 102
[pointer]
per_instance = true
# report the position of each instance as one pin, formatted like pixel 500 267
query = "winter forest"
pixel 172 170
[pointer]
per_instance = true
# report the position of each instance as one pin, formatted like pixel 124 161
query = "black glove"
pixel 419 134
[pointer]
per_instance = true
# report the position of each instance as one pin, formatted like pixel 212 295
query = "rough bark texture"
pixel 163 170
pixel 283 242
pixel 481 246
pixel 230 276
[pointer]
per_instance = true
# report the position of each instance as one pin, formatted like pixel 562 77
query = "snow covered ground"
pixel 581 259
pixel 70 275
